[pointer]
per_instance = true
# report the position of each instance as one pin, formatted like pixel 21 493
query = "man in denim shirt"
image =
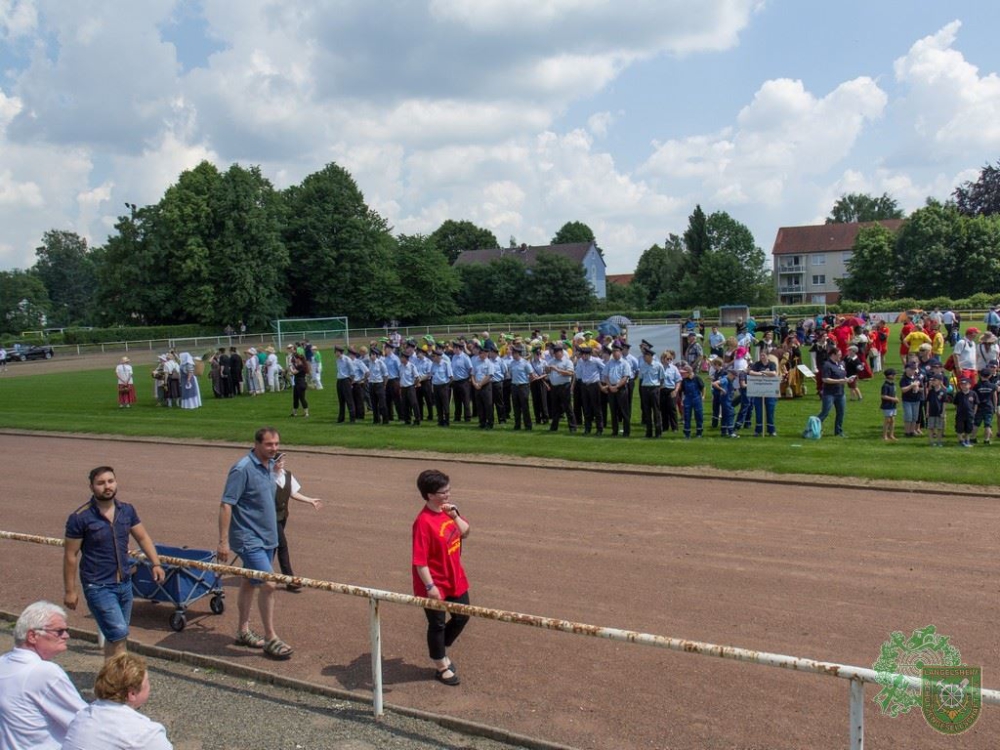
pixel 97 536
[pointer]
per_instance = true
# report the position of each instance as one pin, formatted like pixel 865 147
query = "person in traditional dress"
pixel 126 385
pixel 190 390
pixel 172 372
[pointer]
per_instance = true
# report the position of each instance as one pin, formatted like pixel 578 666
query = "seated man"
pixel 37 699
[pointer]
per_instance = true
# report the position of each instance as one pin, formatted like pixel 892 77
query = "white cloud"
pixel 17 18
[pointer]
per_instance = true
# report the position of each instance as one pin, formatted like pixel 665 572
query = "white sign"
pixel 660 337
pixel 763 387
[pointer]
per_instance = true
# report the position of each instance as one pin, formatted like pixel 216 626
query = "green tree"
pixel 133 284
pixel 557 284
pixel 696 241
pixel 249 259
pixel 870 269
pixel 574 231
pixel 660 269
pixel 455 237
pixel 498 286
pixel 852 207
pixel 431 284
pixel 982 197
pixel 925 258
pixel 631 296
pixel 341 251
pixel 67 269
pixel 734 269
pixel 24 302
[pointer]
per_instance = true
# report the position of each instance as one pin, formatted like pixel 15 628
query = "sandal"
pixel 249 639
pixel 453 680
pixel 278 649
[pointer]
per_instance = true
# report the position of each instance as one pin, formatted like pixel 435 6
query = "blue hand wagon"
pixel 181 586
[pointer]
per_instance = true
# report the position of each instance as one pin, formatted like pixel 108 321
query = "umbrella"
pixel 607 328
pixel 619 320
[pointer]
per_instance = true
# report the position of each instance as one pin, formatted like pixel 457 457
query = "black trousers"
pixel 394 406
pixel 411 409
pixel 577 400
pixel 621 411
pixel 345 399
pixel 425 397
pixel 498 400
pixel 463 400
pixel 519 404
pixel 590 396
pixel 283 560
pixel 440 634
pixel 540 400
pixel 561 405
pixel 442 399
pixel 358 393
pixel 649 399
pixel 484 406
pixel 668 409
pixel 380 413
pixel 299 396
pixel 506 400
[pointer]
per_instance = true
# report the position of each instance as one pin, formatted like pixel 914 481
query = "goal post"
pixel 308 328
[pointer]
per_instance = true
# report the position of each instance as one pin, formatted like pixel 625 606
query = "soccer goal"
pixel 798 312
pixel 296 329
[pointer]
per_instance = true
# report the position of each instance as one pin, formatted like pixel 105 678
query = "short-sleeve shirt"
pixel 250 489
pixel 833 371
pixel 104 551
pixel 888 392
pixel 437 543
pixel 37 701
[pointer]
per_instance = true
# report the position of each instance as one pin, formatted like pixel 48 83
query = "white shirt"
pixel 124 373
pixel 37 702
pixel 279 479
pixel 107 725
pixel 965 353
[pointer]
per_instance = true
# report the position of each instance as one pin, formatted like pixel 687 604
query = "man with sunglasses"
pixel 37 699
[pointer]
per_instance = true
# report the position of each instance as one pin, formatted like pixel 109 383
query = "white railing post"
pixel 857 714
pixel 376 638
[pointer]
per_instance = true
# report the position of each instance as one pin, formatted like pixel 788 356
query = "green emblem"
pixel 908 656
pixel 951 697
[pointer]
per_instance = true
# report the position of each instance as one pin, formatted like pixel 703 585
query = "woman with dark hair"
pixel 112 722
pixel 438 532
pixel 299 368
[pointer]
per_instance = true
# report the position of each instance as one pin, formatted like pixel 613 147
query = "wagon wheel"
pixel 217 604
pixel 178 621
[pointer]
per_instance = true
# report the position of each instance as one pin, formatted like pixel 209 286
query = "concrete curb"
pixel 259 675
pixel 702 472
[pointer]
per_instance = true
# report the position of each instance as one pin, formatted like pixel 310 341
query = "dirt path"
pixel 826 574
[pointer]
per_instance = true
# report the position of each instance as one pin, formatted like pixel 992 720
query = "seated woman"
pixel 112 721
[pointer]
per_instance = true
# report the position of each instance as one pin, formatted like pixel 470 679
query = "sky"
pixel 517 115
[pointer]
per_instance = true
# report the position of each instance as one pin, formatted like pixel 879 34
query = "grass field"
pixel 85 402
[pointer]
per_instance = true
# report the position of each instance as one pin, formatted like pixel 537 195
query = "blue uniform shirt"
pixel 392 365
pixel 377 371
pixel 557 378
pixel 482 368
pixel 104 552
pixel 499 370
pixel 407 374
pixel 588 370
pixel 520 372
pixel 345 368
pixel 615 370
pixel 360 370
pixel 250 489
pixel 651 373
pixel 441 373
pixel 461 366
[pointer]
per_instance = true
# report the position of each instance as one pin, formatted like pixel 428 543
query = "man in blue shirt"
pixel 441 377
pixel 561 373
pixel 461 368
pixel 539 386
pixel 520 379
pixel 378 374
pixel 97 536
pixel 345 371
pixel 482 384
pixel 392 398
pixel 408 389
pixel 359 381
pixel 615 383
pixel 425 392
pixel 496 381
pixel 248 525
pixel 588 374
pixel 651 379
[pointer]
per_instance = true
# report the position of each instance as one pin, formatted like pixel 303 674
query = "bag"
pixel 814 429
pixel 949 364
pixel 704 365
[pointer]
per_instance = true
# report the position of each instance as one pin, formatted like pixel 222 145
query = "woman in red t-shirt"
pixel 438 532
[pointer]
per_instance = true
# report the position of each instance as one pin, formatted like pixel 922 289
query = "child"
pixel 986 394
pixel 725 386
pixel 965 412
pixel 854 366
pixel 692 389
pixel 937 398
pixel 889 401
pixel 911 388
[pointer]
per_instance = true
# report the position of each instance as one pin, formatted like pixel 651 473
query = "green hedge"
pixel 146 333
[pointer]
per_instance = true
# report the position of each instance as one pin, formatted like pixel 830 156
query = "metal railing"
pixel 856 676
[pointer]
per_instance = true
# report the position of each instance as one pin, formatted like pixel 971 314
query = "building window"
pixel 846 256
pixel 819 259
pixel 819 279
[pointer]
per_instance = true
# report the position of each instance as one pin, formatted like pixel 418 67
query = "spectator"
pixel 834 380
pixel 692 391
pixel 966 403
pixel 300 373
pixel 288 489
pixel 126 384
pixel 190 391
pixel 113 721
pixel 889 404
pixel 37 699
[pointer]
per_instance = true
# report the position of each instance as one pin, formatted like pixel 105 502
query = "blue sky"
pixel 518 115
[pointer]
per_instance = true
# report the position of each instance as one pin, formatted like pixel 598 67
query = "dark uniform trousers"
pixel 540 400
pixel 649 399
pixel 519 402
pixel 358 394
pixel 392 398
pixel 410 411
pixel 484 406
pixel 380 413
pixel 561 405
pixel 425 396
pixel 577 400
pixel 506 399
pixel 621 411
pixel 497 387
pixel 590 396
pixel 442 399
pixel 668 409
pixel 463 401
pixel 345 398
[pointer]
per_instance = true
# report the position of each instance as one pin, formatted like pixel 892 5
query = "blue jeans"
pixel 762 406
pixel 692 406
pixel 257 558
pixel 743 418
pixel 834 402
pixel 111 606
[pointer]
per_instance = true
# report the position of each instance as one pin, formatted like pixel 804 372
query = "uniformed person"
pixel 560 372
pixel 588 374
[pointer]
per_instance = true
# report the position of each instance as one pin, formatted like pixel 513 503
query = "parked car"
pixel 25 352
